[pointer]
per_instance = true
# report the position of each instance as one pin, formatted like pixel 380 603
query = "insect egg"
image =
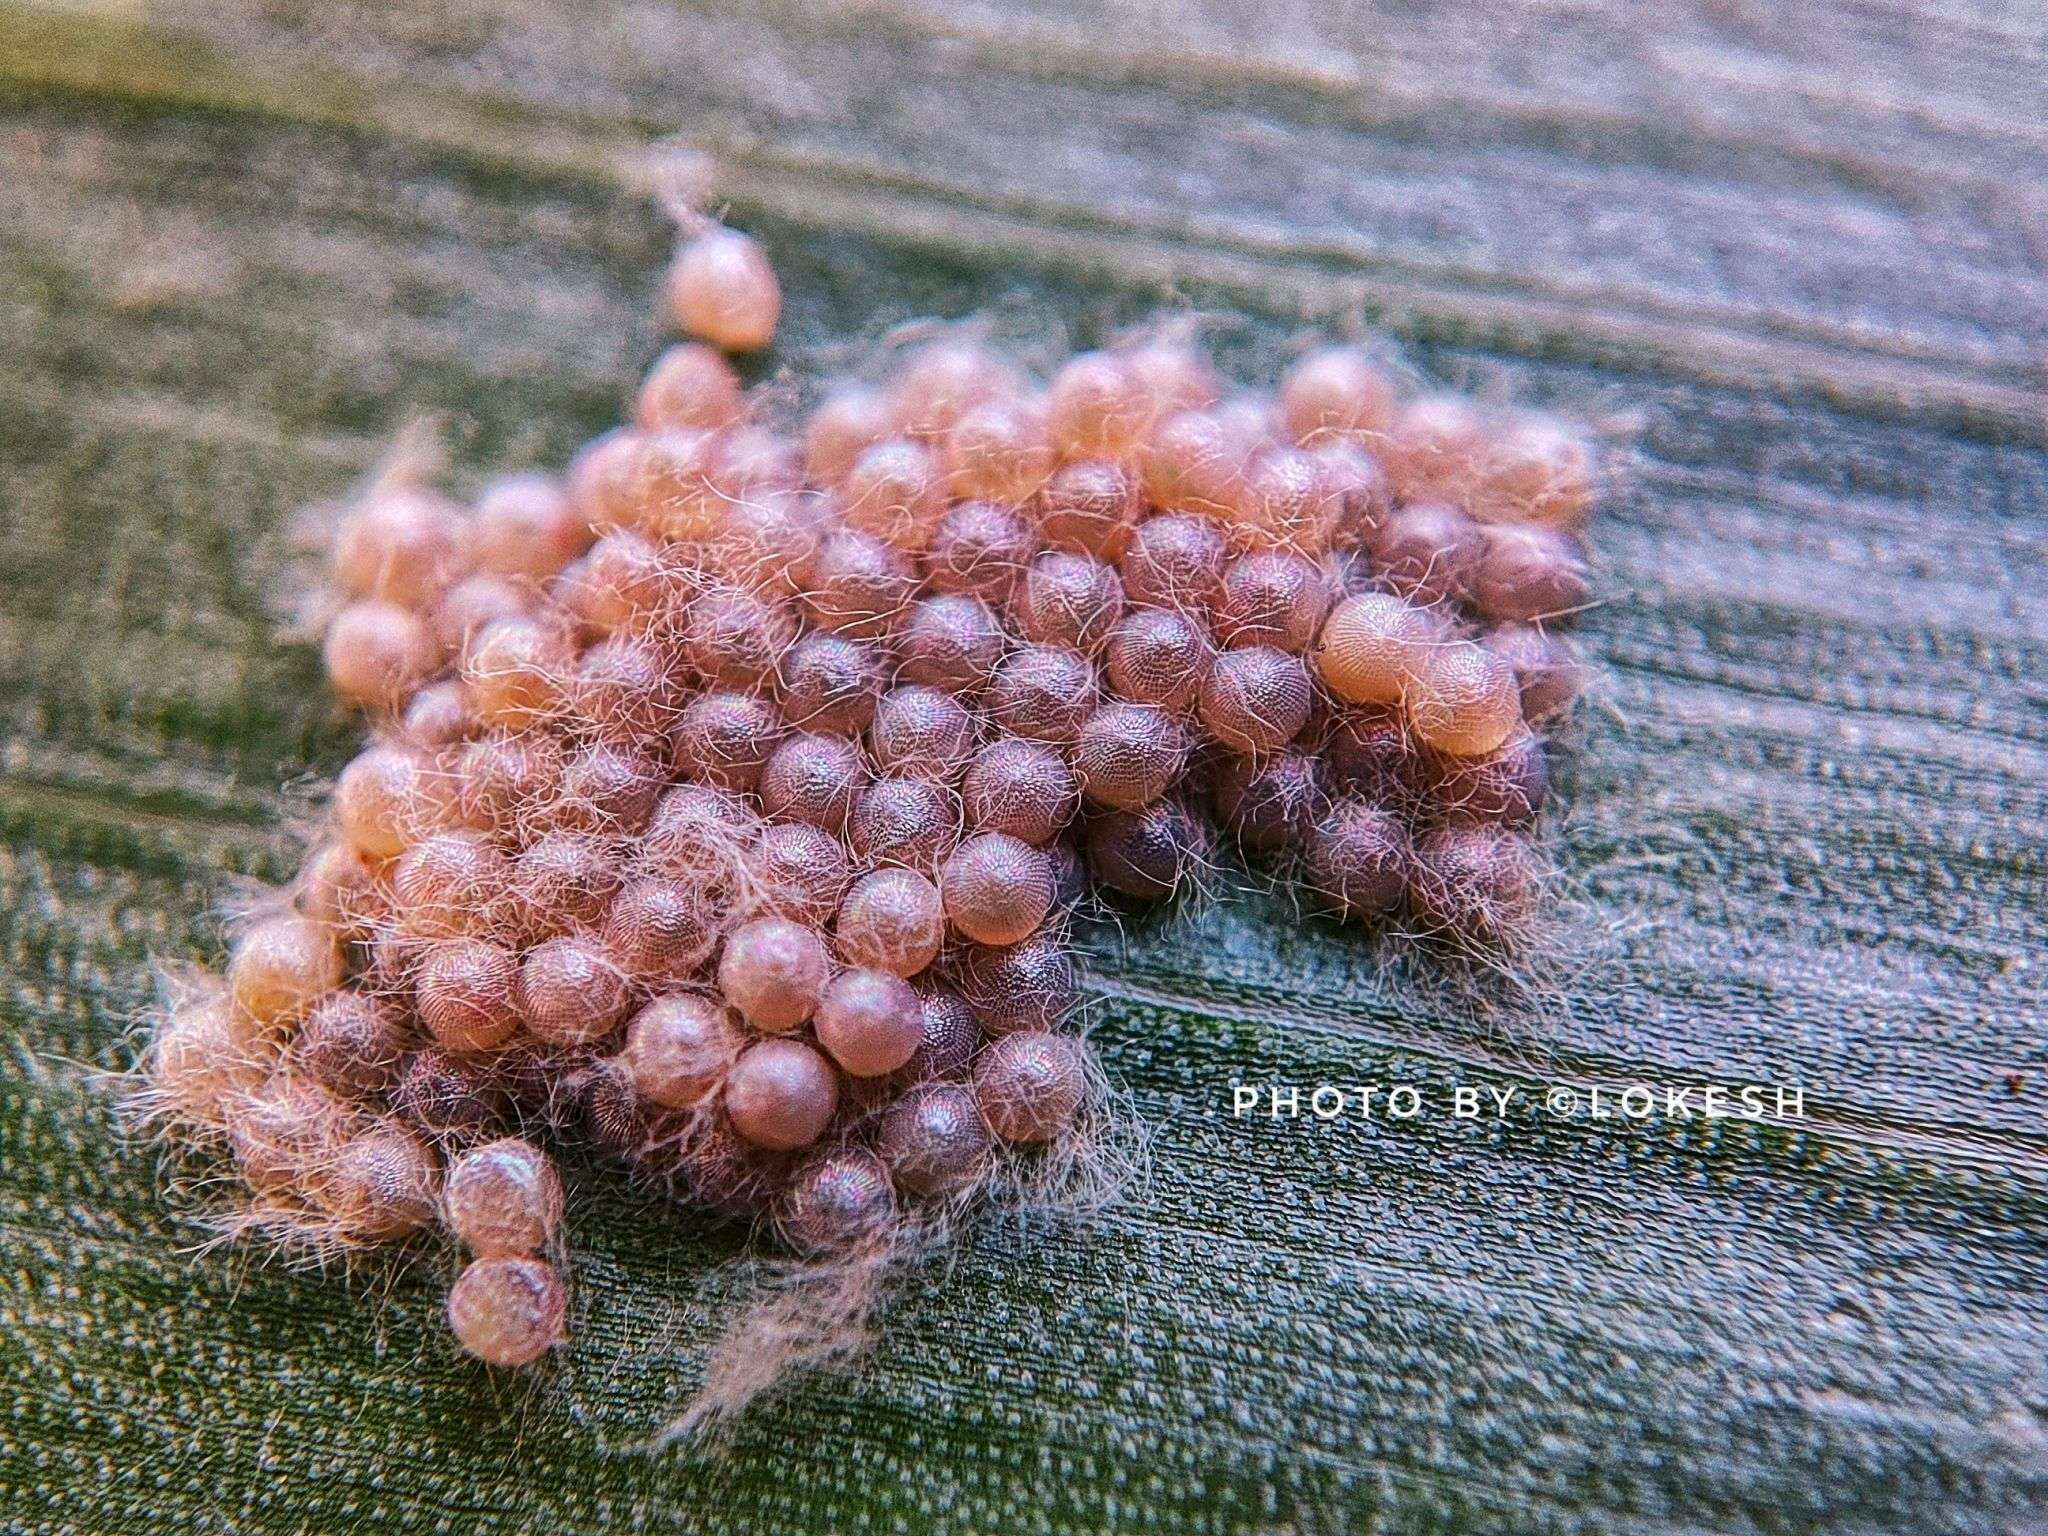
pixel 1464 701
pixel 563 881
pixel 1096 407
pixel 728 1175
pixel 1359 859
pixel 524 526
pixel 1069 872
pixel 768 541
pixel 737 638
pixel 722 288
pixel 951 1034
pixel 1268 803
pixel 1427 552
pixel 997 889
pixel 1547 669
pixel 835 1201
pixel 1069 600
pixel 401 545
pixel 280 968
pixel 378 654
pixel 381 1185
pixel 1159 656
pixel 503 1199
pixel 846 423
pixel 859 586
pixel 689 388
pixel 503 780
pixel 1170 375
pixel 600 483
pixel 1257 699
pixel 997 450
pixel 904 821
pixel 437 716
pixel 1042 693
pixel 622 584
pixel 979 550
pixel 1195 462
pixel 677 495
pixel 607 1110
pixel 472 605
pixel 1252 422
pixel 891 920
pixel 870 1022
pixel 508 1311
pixel 933 1140
pixel 1176 561
pixel 450 885
pixel 1013 987
pixel 951 642
pixel 1285 503
pixel 1089 507
pixel 1373 646
pixel 283 1133
pixel 570 992
pixel 1029 1086
pixel 445 1095
pixel 1127 755
pixel 1363 500
pixel 697 834
pixel 831 683
pixel 603 789
pixel 781 1094
pixel 624 690
pixel 660 930
pixel 894 492
pixel 1473 883
pixel 1433 447
pixel 725 739
pixel 1537 470
pixel 199 1063
pixel 1271 597
pixel 389 797
pixel 1371 754
pixel 516 671
pixel 351 1043
pixel 774 972
pixel 338 888
pixel 678 1049
pixel 754 461
pixel 535 1081
pixel 1152 854
pixel 920 733
pixel 941 381
pixel 813 778
pixel 1506 785
pixel 800 872
pixel 465 993
pixel 1020 788
pixel 1528 573
pixel 389 960
pixel 1335 391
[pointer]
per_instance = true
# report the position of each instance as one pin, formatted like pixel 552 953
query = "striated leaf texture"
pixel 1793 254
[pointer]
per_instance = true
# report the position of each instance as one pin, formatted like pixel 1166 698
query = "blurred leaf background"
pixel 1791 254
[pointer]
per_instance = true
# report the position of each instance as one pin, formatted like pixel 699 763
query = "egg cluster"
pixel 727 799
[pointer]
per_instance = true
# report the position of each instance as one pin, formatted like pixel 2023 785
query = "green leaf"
pixel 1803 827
